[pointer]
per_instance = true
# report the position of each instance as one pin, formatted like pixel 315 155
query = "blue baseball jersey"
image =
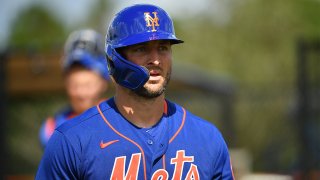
pixel 51 123
pixel 102 144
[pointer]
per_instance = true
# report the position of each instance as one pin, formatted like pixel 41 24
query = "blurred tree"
pixel 100 13
pixel 36 28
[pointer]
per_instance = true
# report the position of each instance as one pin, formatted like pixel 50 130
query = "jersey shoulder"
pixel 190 118
pixel 199 132
pixel 87 120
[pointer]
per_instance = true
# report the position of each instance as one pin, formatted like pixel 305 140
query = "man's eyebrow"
pixel 148 42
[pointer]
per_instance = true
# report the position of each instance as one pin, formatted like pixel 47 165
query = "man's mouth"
pixel 154 73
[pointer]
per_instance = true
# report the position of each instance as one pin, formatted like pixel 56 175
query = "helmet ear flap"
pixel 109 57
pixel 124 72
pixel 111 66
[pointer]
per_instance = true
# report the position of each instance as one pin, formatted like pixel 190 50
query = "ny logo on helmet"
pixel 151 21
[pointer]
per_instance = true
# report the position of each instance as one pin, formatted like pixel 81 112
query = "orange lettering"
pixel 133 168
pixel 193 173
pixel 160 174
pixel 179 161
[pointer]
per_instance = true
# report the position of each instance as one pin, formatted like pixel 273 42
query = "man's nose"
pixel 154 57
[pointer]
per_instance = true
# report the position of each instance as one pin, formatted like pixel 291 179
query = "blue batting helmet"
pixel 135 24
pixel 85 47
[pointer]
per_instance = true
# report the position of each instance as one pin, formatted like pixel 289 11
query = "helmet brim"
pixel 145 37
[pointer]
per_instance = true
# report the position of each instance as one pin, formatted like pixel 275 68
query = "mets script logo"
pixel 151 21
pixel 118 171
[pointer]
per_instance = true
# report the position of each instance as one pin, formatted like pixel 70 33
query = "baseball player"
pixel 86 78
pixel 137 134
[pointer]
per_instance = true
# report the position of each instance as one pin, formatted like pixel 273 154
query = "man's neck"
pixel 140 111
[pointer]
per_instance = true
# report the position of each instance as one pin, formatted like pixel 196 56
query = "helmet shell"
pixel 87 60
pixel 85 47
pixel 140 23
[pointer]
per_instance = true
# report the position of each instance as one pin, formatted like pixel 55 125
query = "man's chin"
pixel 154 82
pixel 154 87
pixel 150 86
pixel 150 92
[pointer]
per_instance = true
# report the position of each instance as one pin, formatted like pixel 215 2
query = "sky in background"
pixel 72 12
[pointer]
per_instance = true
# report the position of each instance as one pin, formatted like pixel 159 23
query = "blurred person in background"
pixel 86 78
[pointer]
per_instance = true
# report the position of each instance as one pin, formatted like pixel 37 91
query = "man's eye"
pixel 140 49
pixel 163 48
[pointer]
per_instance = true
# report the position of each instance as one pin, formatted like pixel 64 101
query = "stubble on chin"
pixel 147 93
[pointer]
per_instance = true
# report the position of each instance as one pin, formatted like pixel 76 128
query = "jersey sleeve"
pixel 60 160
pixel 227 172
pixel 223 163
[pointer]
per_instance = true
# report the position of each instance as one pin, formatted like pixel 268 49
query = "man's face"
pixel 156 56
pixel 84 88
